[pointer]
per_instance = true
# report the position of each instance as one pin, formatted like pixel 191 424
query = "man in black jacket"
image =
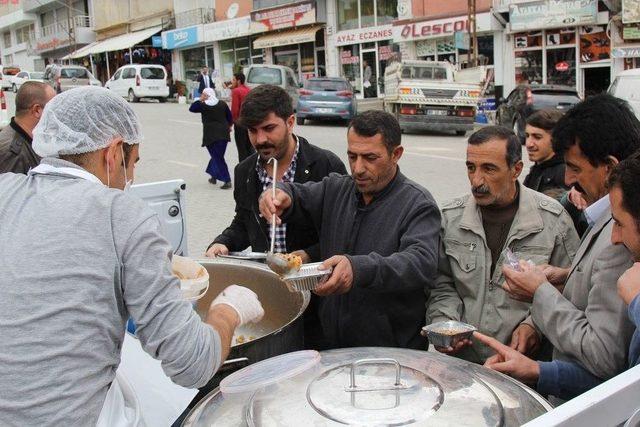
pixel 547 174
pixel 267 112
pixel 204 80
pixel 378 230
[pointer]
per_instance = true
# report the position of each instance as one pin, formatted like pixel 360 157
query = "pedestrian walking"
pixel 216 127
pixel 238 92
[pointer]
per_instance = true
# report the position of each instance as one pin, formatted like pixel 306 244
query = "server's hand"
pixel 244 301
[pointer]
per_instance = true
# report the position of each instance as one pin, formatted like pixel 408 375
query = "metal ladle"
pixel 274 261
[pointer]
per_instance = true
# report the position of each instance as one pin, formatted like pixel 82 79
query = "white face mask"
pixel 127 182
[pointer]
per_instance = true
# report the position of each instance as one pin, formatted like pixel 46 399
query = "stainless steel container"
pixel 281 329
pixel 375 386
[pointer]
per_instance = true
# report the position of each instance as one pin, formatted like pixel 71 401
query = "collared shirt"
pixel 266 180
pixel 596 210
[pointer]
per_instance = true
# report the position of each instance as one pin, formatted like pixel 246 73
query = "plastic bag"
pixel 121 407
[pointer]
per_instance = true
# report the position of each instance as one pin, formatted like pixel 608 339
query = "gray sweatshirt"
pixel 77 260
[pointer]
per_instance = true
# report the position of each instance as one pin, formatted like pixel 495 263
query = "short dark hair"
pixel 487 133
pixel 602 126
pixel 29 94
pixel 625 177
pixel 240 77
pixel 263 100
pixel 374 122
pixel 84 159
pixel 545 119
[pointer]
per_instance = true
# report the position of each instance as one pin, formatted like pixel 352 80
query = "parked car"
pixel 627 86
pixel 23 76
pixel 326 98
pixel 6 74
pixel 137 81
pixel 72 76
pixel 4 113
pixel 525 99
pixel 279 75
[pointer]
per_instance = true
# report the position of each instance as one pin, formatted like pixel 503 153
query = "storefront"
pixel 291 36
pixel 446 39
pixel 233 45
pixel 189 52
pixel 625 38
pixel 555 53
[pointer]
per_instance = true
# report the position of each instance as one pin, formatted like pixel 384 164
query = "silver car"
pixel 279 75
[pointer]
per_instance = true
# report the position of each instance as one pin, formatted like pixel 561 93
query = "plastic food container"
pixel 447 333
pixel 194 278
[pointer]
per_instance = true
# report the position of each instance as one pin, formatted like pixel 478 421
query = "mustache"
pixel 265 146
pixel 481 189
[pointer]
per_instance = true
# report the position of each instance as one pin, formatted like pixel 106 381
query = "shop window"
pixel 367 15
pixel 307 60
pixel 347 14
pixel 193 61
pixel 560 37
pixel 528 40
pixel 387 11
pixel 320 37
pixel 226 45
pixel 350 63
pixel 242 43
pixel 528 66
pixel 561 66
pixel 594 44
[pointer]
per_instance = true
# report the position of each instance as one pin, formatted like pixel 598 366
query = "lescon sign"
pixel 427 30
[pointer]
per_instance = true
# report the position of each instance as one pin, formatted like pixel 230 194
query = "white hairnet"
pixel 83 120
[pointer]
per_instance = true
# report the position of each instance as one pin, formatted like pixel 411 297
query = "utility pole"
pixel 473 37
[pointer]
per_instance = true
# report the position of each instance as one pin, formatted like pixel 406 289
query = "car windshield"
pixel 152 73
pixel 263 75
pixel 37 76
pixel 327 85
pixel 424 73
pixel 70 73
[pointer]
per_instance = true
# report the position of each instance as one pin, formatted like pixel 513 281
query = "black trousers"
pixel 245 149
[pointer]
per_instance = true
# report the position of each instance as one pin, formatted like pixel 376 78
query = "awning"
pixel 123 41
pixel 80 53
pixel 283 38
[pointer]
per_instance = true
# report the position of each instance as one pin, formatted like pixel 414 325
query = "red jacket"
pixel 237 97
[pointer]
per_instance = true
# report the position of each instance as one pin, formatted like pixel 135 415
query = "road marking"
pixel 435 156
pixel 189 165
pixel 185 121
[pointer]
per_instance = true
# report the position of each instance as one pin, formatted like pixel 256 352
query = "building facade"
pixel 19 29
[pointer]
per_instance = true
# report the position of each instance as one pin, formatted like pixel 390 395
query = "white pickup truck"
pixel 431 95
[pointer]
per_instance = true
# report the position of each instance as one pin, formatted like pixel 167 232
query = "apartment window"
pixel 7 39
pixel 23 34
pixel 365 13
pixel 7 59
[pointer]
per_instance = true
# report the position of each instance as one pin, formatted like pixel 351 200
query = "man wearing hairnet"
pixel 79 257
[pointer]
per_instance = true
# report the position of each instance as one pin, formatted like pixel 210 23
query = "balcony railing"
pixel 194 17
pixel 79 21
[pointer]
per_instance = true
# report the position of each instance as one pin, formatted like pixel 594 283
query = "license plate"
pixel 324 110
pixel 437 112
pixel 154 87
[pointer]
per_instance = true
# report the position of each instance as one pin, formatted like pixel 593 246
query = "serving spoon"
pixel 274 261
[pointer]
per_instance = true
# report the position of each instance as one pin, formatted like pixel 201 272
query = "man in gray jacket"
pixel 80 257
pixel 379 232
pixel 16 152
pixel 586 322
pixel 477 228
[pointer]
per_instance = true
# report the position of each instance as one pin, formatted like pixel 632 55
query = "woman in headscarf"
pixel 216 122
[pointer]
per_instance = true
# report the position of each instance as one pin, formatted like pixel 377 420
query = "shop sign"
pixel 229 29
pixel 552 13
pixel 364 35
pixel 177 39
pixel 626 52
pixel 430 29
pixel 630 11
pixel 51 43
pixel 277 18
pixel 462 40
pixel 346 58
pixel 156 41
pixel 562 66
pixel 631 32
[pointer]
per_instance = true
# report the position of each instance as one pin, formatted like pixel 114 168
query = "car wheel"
pixel 300 121
pixel 162 100
pixel 132 97
pixel 14 88
pixel 461 132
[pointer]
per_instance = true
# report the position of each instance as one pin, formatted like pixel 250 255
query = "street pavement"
pixel 171 150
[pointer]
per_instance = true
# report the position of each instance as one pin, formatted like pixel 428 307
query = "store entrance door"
pixel 596 80
pixel 369 74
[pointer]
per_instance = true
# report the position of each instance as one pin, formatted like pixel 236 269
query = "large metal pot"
pixel 280 331
pixel 368 386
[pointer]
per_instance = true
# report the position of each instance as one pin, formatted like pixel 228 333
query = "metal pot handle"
pixel 383 361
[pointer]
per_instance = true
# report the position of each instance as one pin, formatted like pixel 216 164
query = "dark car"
pixel 525 99
pixel 326 98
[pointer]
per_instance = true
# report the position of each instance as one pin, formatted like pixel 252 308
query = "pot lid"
pixel 401 387
pixel 269 371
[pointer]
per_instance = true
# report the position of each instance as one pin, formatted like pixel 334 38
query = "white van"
pixel 137 81
pixel 627 86
pixel 279 75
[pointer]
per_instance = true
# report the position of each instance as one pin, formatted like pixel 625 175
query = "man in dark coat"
pixel 16 153
pixel 267 112
pixel 205 81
